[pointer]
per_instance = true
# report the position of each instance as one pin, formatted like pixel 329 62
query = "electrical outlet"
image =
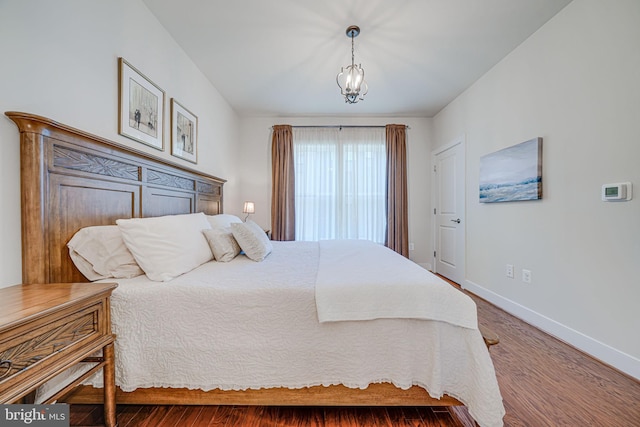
pixel 509 271
pixel 411 247
pixel 526 276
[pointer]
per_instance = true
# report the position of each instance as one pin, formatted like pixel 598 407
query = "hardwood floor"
pixel 543 381
pixel 260 416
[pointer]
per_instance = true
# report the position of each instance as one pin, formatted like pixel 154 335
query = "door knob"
pixel 457 221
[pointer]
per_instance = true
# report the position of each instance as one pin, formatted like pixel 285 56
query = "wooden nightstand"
pixel 45 329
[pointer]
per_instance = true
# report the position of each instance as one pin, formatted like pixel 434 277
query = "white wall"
pixel 255 172
pixel 59 60
pixel 576 84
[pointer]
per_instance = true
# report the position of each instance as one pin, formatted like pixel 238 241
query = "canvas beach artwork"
pixel 512 174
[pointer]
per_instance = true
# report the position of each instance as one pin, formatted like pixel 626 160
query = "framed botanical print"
pixel 184 132
pixel 141 107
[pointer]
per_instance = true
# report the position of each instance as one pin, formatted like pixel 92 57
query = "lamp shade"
pixel 249 208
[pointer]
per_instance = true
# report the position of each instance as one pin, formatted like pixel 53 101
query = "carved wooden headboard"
pixel 71 179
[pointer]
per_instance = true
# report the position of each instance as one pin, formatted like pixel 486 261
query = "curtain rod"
pixel 342 126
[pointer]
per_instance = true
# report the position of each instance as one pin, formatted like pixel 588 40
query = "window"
pixel 340 179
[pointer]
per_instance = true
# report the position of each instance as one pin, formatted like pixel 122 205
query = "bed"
pixel 73 180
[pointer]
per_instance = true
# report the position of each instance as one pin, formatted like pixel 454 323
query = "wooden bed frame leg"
pixel 490 337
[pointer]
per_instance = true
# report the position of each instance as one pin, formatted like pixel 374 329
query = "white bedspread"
pixel 246 324
pixel 361 280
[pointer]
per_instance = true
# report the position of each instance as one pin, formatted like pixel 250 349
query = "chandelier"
pixel 351 81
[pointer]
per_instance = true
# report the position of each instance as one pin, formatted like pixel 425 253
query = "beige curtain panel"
pixel 397 204
pixel 283 215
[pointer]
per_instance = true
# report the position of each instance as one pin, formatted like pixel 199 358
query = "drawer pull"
pixel 7 365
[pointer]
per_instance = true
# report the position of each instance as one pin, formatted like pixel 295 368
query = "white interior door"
pixel 449 210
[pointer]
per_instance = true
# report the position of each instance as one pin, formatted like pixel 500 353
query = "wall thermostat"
pixel 617 192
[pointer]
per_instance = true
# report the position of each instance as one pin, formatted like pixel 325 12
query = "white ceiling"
pixel 281 57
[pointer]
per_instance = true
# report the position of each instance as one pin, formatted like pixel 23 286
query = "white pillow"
pixel 167 246
pixel 100 253
pixel 222 220
pixel 252 239
pixel 222 243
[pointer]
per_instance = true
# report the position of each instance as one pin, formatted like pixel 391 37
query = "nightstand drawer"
pixel 36 344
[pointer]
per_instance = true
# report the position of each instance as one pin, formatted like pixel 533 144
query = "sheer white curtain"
pixel 340 183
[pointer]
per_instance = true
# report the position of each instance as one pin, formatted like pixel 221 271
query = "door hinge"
pixel 434 254
pixel 435 168
pixel 434 211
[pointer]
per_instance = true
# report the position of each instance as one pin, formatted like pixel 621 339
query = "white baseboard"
pixel 603 352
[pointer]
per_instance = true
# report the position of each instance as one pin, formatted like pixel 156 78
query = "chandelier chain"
pixel 352 55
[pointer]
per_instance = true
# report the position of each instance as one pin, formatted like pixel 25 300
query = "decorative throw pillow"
pixel 167 246
pixel 222 220
pixel 99 253
pixel 252 239
pixel 222 243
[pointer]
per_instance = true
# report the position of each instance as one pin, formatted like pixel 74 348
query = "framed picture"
pixel 184 132
pixel 141 103
pixel 513 173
